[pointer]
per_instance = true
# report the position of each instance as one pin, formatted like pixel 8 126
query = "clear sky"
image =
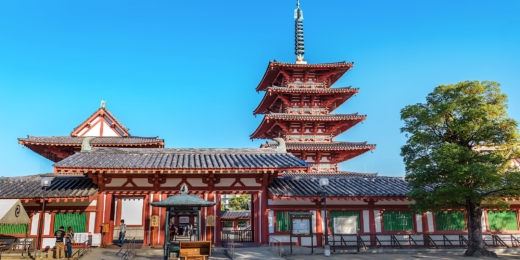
pixel 186 71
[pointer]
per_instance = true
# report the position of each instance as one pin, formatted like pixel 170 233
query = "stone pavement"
pixel 425 256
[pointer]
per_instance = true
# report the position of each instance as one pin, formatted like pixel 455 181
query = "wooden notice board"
pixel 210 221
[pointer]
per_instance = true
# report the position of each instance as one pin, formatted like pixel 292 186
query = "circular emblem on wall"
pixel 17 211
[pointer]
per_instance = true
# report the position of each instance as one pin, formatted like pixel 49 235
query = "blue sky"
pixel 187 70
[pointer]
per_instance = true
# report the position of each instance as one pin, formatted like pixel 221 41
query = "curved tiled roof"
pixel 341 186
pixel 328 174
pixel 61 186
pixel 161 158
pixel 101 140
pixel 328 117
pixel 235 214
pixel 324 145
pixel 313 90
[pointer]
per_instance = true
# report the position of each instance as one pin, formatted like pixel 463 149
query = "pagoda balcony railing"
pixel 324 167
pixel 307 111
pixel 308 84
pixel 308 138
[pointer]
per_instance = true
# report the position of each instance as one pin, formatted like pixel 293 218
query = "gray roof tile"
pixel 235 214
pixel 162 158
pixel 101 140
pixel 61 186
pixel 341 186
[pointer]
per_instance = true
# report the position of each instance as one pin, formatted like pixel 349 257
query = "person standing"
pixel 122 232
pixel 70 240
pixel 60 235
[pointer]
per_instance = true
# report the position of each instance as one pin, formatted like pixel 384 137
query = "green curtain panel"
pixel 502 220
pixel 228 223
pixel 450 221
pixel 78 221
pixel 397 221
pixel 13 229
pixel 333 214
pixel 282 221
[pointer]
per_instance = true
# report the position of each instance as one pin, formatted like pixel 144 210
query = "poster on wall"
pixel 301 226
pixel 345 225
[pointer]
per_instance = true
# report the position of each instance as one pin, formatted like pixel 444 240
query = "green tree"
pixel 458 152
pixel 239 202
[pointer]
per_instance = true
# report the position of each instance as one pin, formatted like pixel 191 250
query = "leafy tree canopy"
pixel 458 152
pixel 239 202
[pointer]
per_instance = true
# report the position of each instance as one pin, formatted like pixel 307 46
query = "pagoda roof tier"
pixel 57 148
pixel 278 72
pixel 275 95
pixel 154 159
pixel 323 146
pixel 341 151
pixel 278 124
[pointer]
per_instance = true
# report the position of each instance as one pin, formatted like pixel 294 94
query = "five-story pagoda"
pixel 297 105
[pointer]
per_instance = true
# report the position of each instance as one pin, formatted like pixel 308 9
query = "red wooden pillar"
pixel 265 218
pixel 372 221
pixel 109 217
pixel 256 217
pixel 319 225
pixel 202 229
pixel 217 220
pixel 100 203
pixel 146 218
pixel 155 211
pixel 162 220
pixel 210 236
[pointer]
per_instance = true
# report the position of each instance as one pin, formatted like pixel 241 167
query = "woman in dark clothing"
pixel 70 238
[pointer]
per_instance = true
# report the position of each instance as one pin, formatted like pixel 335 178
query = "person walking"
pixel 60 235
pixel 122 233
pixel 70 240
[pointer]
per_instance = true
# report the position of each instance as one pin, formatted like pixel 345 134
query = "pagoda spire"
pixel 299 46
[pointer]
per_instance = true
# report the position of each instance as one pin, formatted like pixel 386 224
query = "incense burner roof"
pixel 161 158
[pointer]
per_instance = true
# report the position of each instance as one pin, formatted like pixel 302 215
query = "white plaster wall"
pixel 313 221
pixel 270 218
pixel 171 182
pixel 284 239
pixel 48 242
pixel 250 182
pixel 306 241
pixel 429 218
pixel 93 131
pixel 91 222
pixel 418 221
pixel 345 202
pixel 116 182
pixel 290 202
pixel 142 182
pixel 34 224
pixel 483 221
pixel 132 210
pixel 377 219
pixel 196 182
pixel 366 221
pixel 225 182
pixel 93 203
pixel 393 202
pixel 47 224
pixel 108 131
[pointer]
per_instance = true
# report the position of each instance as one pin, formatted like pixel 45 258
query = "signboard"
pixel 80 237
pixel 106 228
pixel 301 226
pixel 184 219
pixel 154 221
pixel 96 239
pixel 210 221
pixel 345 225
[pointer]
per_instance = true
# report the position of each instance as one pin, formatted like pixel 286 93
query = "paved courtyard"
pixel 427 256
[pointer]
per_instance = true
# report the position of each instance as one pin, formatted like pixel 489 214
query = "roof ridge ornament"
pixel 299 45
pixel 103 104
pixel 281 148
pixel 85 145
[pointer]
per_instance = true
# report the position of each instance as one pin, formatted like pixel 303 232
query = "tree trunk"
pixel 476 245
